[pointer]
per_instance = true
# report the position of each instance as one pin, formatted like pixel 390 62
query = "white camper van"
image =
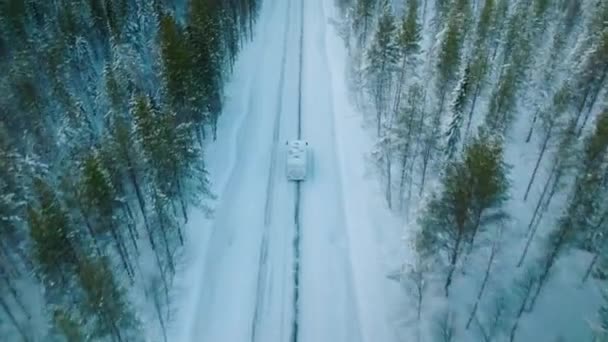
pixel 297 160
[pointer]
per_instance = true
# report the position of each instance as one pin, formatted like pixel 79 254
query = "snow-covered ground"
pixel 239 278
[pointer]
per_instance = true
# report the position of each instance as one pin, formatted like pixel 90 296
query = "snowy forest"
pixel 105 110
pixel 491 125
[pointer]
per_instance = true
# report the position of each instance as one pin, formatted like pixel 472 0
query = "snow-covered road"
pixel 277 265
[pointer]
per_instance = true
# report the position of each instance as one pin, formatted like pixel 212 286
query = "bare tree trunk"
pixel 127 208
pixel 199 132
pixel 550 261
pixel 536 217
pixel 182 202
pixel 163 230
pixel 429 142
pixel 526 286
pixel 388 181
pixel 140 197
pixel 590 267
pixel 471 111
pixel 518 315
pixel 425 164
pixel 157 307
pixel 9 262
pixel 484 334
pixel 214 127
pixel 402 179
pixel 409 188
pixel 14 293
pixel 115 330
pixel 133 235
pixel 484 282
pixel 378 119
pixel 397 104
pixel 543 149
pixel 13 320
pixel 593 100
pixel 161 272
pixel 453 259
pixel 475 230
pixel 91 232
pixel 582 105
pixel 121 252
pixel 446 327
pixel 532 126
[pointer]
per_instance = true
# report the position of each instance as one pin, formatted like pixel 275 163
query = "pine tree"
pixel 592 68
pixel 116 12
pixel 68 326
pixel 502 103
pixel 474 189
pixel 208 56
pixel 53 237
pixel 408 41
pixel 447 64
pixel 99 197
pixel 105 301
pixel 14 194
pixel 124 151
pixel 407 129
pixel 450 50
pixel 382 58
pixel 364 12
pixel 478 65
pixel 178 69
pixel 457 106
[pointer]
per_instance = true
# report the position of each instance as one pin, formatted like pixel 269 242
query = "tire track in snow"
pixel 347 249
pixel 208 288
pixel 330 311
pixel 296 240
pixel 263 261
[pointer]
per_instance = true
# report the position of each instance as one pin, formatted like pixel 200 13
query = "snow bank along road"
pixel 276 266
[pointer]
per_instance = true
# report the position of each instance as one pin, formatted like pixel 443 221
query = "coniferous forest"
pixel 105 109
pixel 491 126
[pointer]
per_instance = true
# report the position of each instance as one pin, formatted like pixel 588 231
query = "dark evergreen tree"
pixel 105 302
pixel 474 189
pixel 54 238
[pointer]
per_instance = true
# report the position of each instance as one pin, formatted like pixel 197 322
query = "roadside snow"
pixel 376 241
